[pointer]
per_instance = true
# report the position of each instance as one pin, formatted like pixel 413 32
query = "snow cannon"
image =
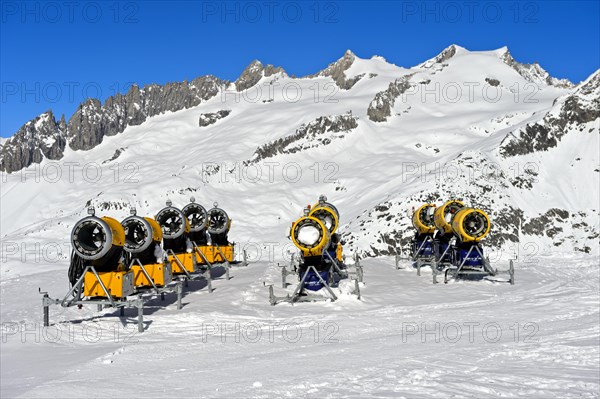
pixel 311 236
pixel 328 214
pixel 143 247
pixel 320 265
pixel 219 224
pixel 470 226
pixel 176 229
pixel 423 222
pixel 96 259
pixel 442 218
pixel 197 216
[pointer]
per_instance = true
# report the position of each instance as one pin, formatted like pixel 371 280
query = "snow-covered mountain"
pixel 376 138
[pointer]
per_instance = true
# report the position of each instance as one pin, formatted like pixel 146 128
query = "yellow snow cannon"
pixel 443 216
pixel 422 242
pixel 471 225
pixel 220 249
pixel 328 214
pixel 143 246
pixel 97 251
pixel 176 228
pixel 310 235
pixel 422 219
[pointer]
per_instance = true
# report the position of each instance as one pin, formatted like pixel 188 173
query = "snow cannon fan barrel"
pixel 142 235
pixel 471 225
pixel 98 241
pixel 175 228
pixel 326 213
pixel 310 235
pixel 444 215
pixel 218 226
pixel 197 216
pixel 422 219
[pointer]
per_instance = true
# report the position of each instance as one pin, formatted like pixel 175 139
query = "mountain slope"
pixel 444 134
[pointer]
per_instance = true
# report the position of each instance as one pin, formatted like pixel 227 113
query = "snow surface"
pixel 168 157
pixel 405 338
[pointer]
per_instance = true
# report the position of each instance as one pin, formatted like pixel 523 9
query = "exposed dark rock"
pixel 337 70
pixel 381 106
pixel 212 117
pixel 42 137
pixel 319 132
pixel 116 155
pixel 583 106
pixel 492 82
pixel 253 73
pixel 534 72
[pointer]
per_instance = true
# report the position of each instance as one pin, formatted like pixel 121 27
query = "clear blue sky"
pixel 54 55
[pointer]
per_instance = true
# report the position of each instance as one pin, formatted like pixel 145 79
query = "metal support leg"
pixel 418 268
pixel 245 261
pixel 122 311
pixel 272 300
pixel 179 292
pixel 45 299
pixel 511 272
pixel 99 308
pixel 283 277
pixel 397 261
pixel 162 296
pixel 140 306
pixel 209 280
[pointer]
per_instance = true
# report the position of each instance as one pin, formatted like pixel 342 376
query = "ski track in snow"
pixel 363 349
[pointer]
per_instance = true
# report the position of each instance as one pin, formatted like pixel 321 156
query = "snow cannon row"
pixel 320 262
pixel 449 239
pixel 112 261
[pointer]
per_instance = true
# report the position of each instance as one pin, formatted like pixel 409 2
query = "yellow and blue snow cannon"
pixel 96 260
pixel 422 242
pixel 175 229
pixel 470 226
pixel 144 253
pixel 444 234
pixel 329 215
pixel 315 235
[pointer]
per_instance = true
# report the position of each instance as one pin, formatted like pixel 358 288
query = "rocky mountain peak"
pixel 253 73
pixel 532 72
pixel 444 56
pixel 41 137
pixel 336 70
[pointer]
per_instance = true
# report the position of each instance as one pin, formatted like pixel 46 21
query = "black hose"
pixel 75 268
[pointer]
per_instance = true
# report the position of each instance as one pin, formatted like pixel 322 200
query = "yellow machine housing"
pixel 186 259
pixel 316 248
pixel 119 284
pixel 467 218
pixel 160 273
pixel 157 234
pixel 323 213
pixel 439 216
pixel 339 253
pixel 213 255
pixel 118 233
pixel 419 223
